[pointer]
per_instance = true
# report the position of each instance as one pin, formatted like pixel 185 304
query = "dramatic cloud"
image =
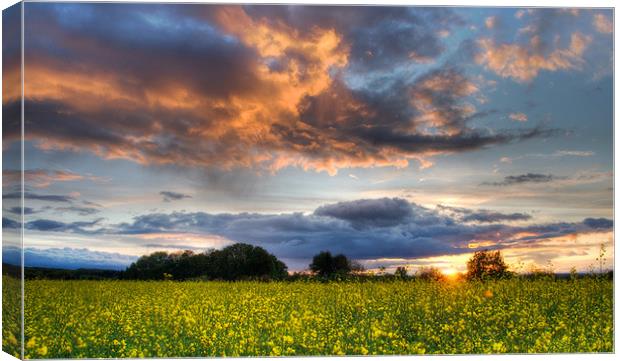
pixel 249 90
pixel 525 178
pixel 545 43
pixel 378 39
pixel 364 213
pixel 362 229
pixel 173 196
pixel 524 62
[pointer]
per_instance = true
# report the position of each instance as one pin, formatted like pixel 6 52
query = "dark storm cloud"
pixel 194 53
pixel 56 226
pixel 598 223
pixel 169 196
pixel 469 140
pixel 382 123
pixel 8 223
pixel 364 213
pixel 525 178
pixel 18 210
pixel 39 197
pixel 362 234
pixel 362 229
pixel 379 38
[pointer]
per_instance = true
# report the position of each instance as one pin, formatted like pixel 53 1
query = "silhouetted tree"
pixel 324 264
pixel 431 274
pixel 400 272
pixel 149 267
pixel 245 261
pixel 342 264
pixel 357 267
pixel 238 261
pixel 487 264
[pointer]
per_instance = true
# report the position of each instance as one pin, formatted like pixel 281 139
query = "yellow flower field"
pixel 71 319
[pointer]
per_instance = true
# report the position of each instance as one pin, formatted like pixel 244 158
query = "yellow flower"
pixel 287 339
pixel 31 343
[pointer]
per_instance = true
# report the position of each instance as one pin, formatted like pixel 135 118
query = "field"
pixel 68 319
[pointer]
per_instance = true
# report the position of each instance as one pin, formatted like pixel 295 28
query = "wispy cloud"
pixel 482 215
pixel 519 117
pixel 39 197
pixel 524 178
pixel 556 154
pixel 42 178
pixel 169 196
pixel 603 24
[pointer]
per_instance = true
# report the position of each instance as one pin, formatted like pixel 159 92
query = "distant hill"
pixel 59 273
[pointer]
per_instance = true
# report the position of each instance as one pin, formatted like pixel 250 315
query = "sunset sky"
pixel 395 135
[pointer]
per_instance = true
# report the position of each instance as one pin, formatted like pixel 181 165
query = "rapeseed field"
pixel 94 319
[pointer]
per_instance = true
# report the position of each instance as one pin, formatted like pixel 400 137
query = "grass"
pixel 70 319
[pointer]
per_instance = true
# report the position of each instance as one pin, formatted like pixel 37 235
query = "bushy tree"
pixel 238 261
pixel 487 264
pixel 401 272
pixel 325 265
pixel 149 267
pixel 431 274
pixel 241 261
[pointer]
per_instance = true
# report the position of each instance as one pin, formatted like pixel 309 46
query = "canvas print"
pixel 211 180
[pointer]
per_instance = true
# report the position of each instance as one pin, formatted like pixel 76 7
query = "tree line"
pixel 247 262
pixel 244 262
pixel 235 262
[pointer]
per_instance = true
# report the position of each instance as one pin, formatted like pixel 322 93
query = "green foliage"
pixel 235 262
pixel 105 319
pixel 487 265
pixel 326 265
pixel 244 261
pixel 431 274
pixel 11 311
pixel 401 272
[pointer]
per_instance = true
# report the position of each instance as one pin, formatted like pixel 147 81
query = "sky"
pixel 398 136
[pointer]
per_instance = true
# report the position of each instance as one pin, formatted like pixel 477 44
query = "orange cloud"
pixel 490 22
pixel 524 62
pixel 42 178
pixel 519 117
pixel 253 92
pixel 603 24
pixel 438 100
